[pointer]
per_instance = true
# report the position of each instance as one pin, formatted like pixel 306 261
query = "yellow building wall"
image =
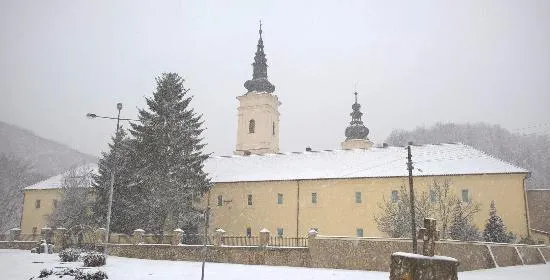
pixel 38 217
pixel 337 213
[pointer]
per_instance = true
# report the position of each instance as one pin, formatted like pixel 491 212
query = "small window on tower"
pixel 273 128
pixel 251 126
pixel 249 198
pixel 220 200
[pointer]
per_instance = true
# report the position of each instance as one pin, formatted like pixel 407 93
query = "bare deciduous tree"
pixel 75 206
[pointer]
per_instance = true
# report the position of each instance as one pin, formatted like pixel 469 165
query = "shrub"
pixel 69 255
pixel 76 273
pixel 44 273
pixel 527 240
pixel 94 259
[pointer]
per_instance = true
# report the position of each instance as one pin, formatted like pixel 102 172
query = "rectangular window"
pixel 465 195
pixel 279 198
pixel 220 200
pixel 358 197
pixel 249 199
pixel 433 197
pixel 359 232
pixel 314 198
pixel 394 196
pixel 55 203
pixel 280 232
pixel 248 232
pixel 37 204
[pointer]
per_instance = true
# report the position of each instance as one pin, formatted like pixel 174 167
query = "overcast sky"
pixel 414 63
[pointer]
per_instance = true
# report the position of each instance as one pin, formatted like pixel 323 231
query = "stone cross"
pixel 429 234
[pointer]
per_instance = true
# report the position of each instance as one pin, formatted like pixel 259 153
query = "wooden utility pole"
pixel 411 190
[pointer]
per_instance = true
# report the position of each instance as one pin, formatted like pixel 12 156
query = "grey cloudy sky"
pixel 413 63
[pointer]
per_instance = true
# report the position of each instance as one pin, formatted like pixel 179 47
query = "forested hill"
pixel 24 160
pixel 531 151
pixel 47 157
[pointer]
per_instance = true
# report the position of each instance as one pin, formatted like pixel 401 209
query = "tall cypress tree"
pixel 495 230
pixel 169 157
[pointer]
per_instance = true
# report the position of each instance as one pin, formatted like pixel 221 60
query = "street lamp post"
pixel 113 170
pixel 113 165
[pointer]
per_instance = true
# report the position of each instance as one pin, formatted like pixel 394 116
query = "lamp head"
pixel 91 116
pixel 119 106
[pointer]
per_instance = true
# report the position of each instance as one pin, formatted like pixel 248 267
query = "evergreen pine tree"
pixel 495 230
pixel 169 158
pixel 125 197
pixel 462 227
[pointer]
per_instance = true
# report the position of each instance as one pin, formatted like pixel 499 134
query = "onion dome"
pixel 356 128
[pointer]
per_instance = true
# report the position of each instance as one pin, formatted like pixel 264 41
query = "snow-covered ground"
pixel 18 264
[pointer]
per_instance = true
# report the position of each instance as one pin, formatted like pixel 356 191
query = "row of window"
pixel 358 197
pixel 37 203
pixel 252 126
pixel 280 199
pixel 465 195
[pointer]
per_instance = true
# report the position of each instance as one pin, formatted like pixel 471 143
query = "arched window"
pixel 251 126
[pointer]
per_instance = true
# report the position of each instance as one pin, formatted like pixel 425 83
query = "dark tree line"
pixel 530 151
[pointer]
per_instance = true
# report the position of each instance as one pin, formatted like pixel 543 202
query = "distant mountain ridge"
pixel 47 157
pixel 531 151
pixel 25 159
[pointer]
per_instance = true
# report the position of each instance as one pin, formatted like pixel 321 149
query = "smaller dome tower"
pixel 356 132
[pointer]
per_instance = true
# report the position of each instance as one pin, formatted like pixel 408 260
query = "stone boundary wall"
pixel 21 245
pixel 530 255
pixel 471 256
pixel 506 255
pixel 331 252
pixel 341 253
pixel 280 256
pixel 545 251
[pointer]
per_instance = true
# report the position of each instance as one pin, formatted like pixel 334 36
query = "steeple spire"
pixel 356 129
pixel 259 82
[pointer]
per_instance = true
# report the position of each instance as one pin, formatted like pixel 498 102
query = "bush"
pixel 69 255
pixel 78 274
pixel 44 273
pixel 94 259
pixel 527 240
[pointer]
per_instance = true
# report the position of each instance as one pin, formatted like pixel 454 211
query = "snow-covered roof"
pixel 56 182
pixel 433 159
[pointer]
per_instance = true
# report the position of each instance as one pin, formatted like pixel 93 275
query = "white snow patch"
pixel 19 264
pixel 417 256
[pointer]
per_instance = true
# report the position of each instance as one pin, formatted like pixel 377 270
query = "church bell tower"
pixel 258 112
